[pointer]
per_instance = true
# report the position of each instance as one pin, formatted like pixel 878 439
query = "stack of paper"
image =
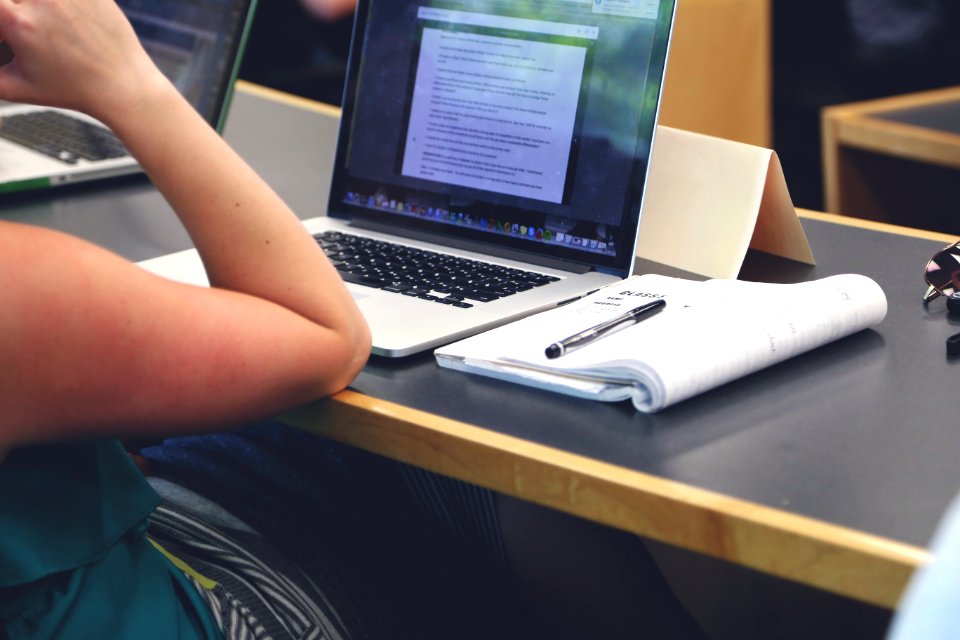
pixel 709 333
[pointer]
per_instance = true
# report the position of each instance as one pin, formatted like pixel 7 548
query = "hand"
pixel 330 9
pixel 78 54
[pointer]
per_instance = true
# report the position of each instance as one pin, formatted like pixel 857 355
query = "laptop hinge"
pixel 468 245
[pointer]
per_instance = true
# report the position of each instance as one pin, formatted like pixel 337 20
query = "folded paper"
pixel 708 200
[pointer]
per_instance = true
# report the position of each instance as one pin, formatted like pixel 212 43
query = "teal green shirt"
pixel 74 561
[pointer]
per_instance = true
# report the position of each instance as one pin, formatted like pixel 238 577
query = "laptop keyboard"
pixel 62 137
pixel 439 277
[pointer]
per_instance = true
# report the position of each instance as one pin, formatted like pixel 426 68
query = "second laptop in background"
pixel 198 45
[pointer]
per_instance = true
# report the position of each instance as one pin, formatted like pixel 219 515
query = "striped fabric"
pixel 252 600
pixel 398 552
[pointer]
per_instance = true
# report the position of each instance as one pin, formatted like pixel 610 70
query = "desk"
pixel 895 159
pixel 831 469
pixel 820 470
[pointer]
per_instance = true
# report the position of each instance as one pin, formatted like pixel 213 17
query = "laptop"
pixel 196 44
pixel 491 160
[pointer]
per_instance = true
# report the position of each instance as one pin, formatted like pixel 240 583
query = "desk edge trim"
pixel 855 564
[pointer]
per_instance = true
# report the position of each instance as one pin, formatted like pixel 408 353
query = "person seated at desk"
pixel 95 348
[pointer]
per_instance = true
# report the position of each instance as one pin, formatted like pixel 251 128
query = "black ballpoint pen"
pixel 607 327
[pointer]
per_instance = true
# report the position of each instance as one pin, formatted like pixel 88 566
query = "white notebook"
pixel 709 333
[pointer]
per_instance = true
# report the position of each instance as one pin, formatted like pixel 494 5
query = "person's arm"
pixel 92 344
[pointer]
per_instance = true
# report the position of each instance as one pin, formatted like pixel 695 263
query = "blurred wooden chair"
pixel 719 71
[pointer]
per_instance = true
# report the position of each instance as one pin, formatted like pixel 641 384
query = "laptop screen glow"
pixel 520 123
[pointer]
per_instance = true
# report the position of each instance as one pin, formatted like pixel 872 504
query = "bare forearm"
pixel 249 239
pixel 120 348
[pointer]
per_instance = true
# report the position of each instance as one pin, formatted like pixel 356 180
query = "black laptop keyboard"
pixel 446 279
pixel 61 136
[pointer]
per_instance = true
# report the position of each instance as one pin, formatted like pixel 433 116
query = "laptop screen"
pixel 195 43
pixel 520 123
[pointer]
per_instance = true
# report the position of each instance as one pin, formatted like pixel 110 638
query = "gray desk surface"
pixel 861 434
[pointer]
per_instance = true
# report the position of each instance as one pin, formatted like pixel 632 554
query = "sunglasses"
pixel 943 273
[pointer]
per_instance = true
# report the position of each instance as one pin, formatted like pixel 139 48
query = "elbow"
pixel 362 343
pixel 353 351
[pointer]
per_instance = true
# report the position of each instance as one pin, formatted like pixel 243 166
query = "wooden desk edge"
pixel 286 98
pixel 886 137
pixel 882 227
pixel 897 103
pixel 829 557
pixel 857 125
